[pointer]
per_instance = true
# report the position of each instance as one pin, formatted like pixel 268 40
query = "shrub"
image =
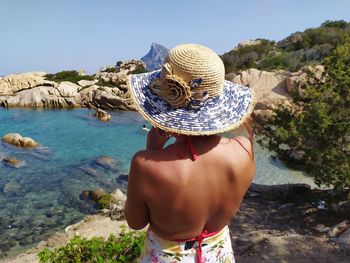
pixel 125 248
pixel 68 75
pixel 105 84
pixel 105 200
pixel 297 50
pixel 112 70
pixel 320 132
pixel 246 57
pixel 138 70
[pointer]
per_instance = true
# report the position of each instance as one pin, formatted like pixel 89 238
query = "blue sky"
pixel 55 35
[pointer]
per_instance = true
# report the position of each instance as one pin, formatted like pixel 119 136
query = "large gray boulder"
pixel 273 89
pixel 87 95
pixel 269 89
pixel 87 83
pixel 40 97
pixel 117 209
pixel 118 76
pixel 296 82
pixel 11 84
pixel 68 89
pixel 106 99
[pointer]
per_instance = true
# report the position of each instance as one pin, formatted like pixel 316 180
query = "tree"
pixel 316 132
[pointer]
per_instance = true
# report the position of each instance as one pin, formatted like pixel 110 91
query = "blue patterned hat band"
pixel 189 95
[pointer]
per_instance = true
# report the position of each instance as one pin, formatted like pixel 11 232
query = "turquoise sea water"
pixel 42 196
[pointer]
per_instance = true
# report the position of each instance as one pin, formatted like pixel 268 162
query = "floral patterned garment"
pixel 216 248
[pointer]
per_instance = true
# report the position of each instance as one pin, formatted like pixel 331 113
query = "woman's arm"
pixel 136 209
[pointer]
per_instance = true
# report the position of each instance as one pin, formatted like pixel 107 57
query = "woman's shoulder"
pixel 245 144
pixel 147 161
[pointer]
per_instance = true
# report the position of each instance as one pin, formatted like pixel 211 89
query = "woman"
pixel 189 190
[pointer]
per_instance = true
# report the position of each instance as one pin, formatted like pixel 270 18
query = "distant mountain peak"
pixel 155 57
pixel 156 45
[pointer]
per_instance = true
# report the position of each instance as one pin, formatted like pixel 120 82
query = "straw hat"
pixel 190 95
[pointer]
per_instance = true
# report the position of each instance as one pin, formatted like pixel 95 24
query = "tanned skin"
pixel 179 197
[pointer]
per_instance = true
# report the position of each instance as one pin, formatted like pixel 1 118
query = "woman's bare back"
pixel 184 196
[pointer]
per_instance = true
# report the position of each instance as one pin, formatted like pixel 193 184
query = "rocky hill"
pixel 292 53
pixel 154 59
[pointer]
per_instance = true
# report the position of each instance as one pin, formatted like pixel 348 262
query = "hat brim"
pixel 218 114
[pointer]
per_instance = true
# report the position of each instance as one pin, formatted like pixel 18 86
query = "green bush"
pixel 138 70
pixel 105 200
pixel 246 56
pixel 68 75
pixel 320 131
pixel 105 84
pixel 125 248
pixel 284 60
pixel 297 50
pixel 112 70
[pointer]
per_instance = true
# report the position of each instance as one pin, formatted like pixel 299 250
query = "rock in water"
pixel 13 162
pixel 28 142
pixel 102 115
pixel 12 138
pixel 154 59
pixel 11 187
pixel 107 162
pixel 17 140
pixel 93 195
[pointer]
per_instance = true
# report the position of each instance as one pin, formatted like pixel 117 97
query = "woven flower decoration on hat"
pixel 172 88
pixel 189 95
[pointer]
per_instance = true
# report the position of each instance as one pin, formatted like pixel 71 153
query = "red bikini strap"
pixel 251 137
pixel 191 147
pixel 199 240
pixel 252 157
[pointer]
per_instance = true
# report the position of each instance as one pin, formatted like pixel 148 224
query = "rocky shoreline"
pixel 282 223
pixel 107 89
